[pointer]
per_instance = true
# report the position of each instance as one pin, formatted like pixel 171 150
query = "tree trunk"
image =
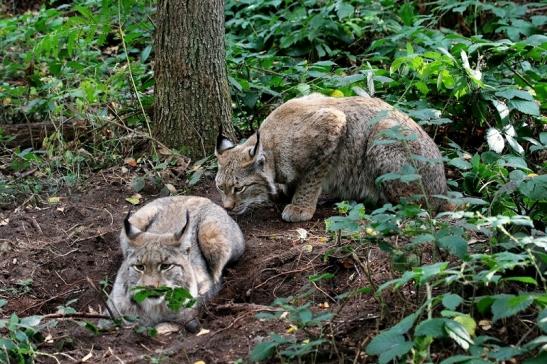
pixel 192 94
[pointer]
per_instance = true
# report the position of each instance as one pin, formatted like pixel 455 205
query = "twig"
pixel 122 38
pixel 100 293
pixel 137 132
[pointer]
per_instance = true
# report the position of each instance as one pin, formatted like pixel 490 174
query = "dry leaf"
pixel 61 209
pixel 308 248
pixel 166 328
pixel 135 199
pixel 131 162
pixel 203 332
pixel 171 188
pixel 485 324
pixel 292 329
pixel 302 233
pixel 4 222
pixel 54 200
pixel 164 151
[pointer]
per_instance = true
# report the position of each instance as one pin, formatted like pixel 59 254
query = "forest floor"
pixel 49 253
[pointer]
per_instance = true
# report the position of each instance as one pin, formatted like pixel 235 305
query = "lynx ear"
pixel 223 143
pixel 132 231
pixel 257 153
pixel 179 234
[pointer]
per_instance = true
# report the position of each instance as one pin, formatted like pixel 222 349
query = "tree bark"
pixel 192 98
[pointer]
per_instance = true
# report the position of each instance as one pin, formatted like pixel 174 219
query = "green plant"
pixel 287 347
pixel 176 298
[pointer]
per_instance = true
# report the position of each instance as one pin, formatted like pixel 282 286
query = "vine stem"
pixel 131 78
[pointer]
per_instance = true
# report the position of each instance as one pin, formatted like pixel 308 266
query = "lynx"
pixel 181 241
pixel 316 144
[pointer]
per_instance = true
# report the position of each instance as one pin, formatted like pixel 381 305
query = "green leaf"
pixel 388 346
pixel 146 53
pixel 525 107
pixel 451 301
pixel 432 327
pixel 303 88
pixel 460 163
pixel 458 333
pixel 263 351
pixel 455 244
pixel 468 323
pixel 344 10
pixel 509 305
pixel 535 188
pixel 527 280
pixel 542 320
pixel 515 93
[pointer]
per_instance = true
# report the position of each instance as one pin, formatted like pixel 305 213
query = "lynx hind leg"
pixel 330 125
pixel 392 158
pixel 216 246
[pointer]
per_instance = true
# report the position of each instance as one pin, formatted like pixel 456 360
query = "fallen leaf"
pixel 135 199
pixel 308 248
pixel 166 328
pixel 203 332
pixel 164 151
pixel 4 222
pixel 54 200
pixel 485 324
pixel 199 362
pixel 61 209
pixel 292 329
pixel 302 233
pixel 171 188
pixel 131 162
pixel 125 170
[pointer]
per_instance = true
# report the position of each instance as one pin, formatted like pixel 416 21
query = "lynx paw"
pixel 294 213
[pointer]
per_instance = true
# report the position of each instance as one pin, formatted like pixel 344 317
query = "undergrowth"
pixel 472 73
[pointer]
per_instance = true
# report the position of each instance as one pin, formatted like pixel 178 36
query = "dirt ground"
pixel 48 252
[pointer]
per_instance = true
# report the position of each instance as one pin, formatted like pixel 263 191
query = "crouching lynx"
pixel 181 241
pixel 317 143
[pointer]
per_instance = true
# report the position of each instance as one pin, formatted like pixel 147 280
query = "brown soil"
pixel 47 252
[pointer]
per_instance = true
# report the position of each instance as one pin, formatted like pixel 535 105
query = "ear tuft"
pixel 131 231
pixel 256 148
pixel 179 234
pixel 223 143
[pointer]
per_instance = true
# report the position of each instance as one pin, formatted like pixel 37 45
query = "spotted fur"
pixel 181 241
pixel 317 144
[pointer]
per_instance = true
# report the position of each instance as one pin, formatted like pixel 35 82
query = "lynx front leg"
pixel 321 144
pixel 304 201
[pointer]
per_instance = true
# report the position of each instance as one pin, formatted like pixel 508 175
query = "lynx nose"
pixel 228 204
pixel 151 282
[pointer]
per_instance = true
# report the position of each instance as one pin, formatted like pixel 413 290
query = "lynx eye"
pixel 239 189
pixel 166 267
pixel 138 267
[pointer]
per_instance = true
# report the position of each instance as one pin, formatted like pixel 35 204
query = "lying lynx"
pixel 317 143
pixel 179 241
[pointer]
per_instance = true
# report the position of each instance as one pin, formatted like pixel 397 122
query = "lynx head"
pixel 245 175
pixel 156 260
